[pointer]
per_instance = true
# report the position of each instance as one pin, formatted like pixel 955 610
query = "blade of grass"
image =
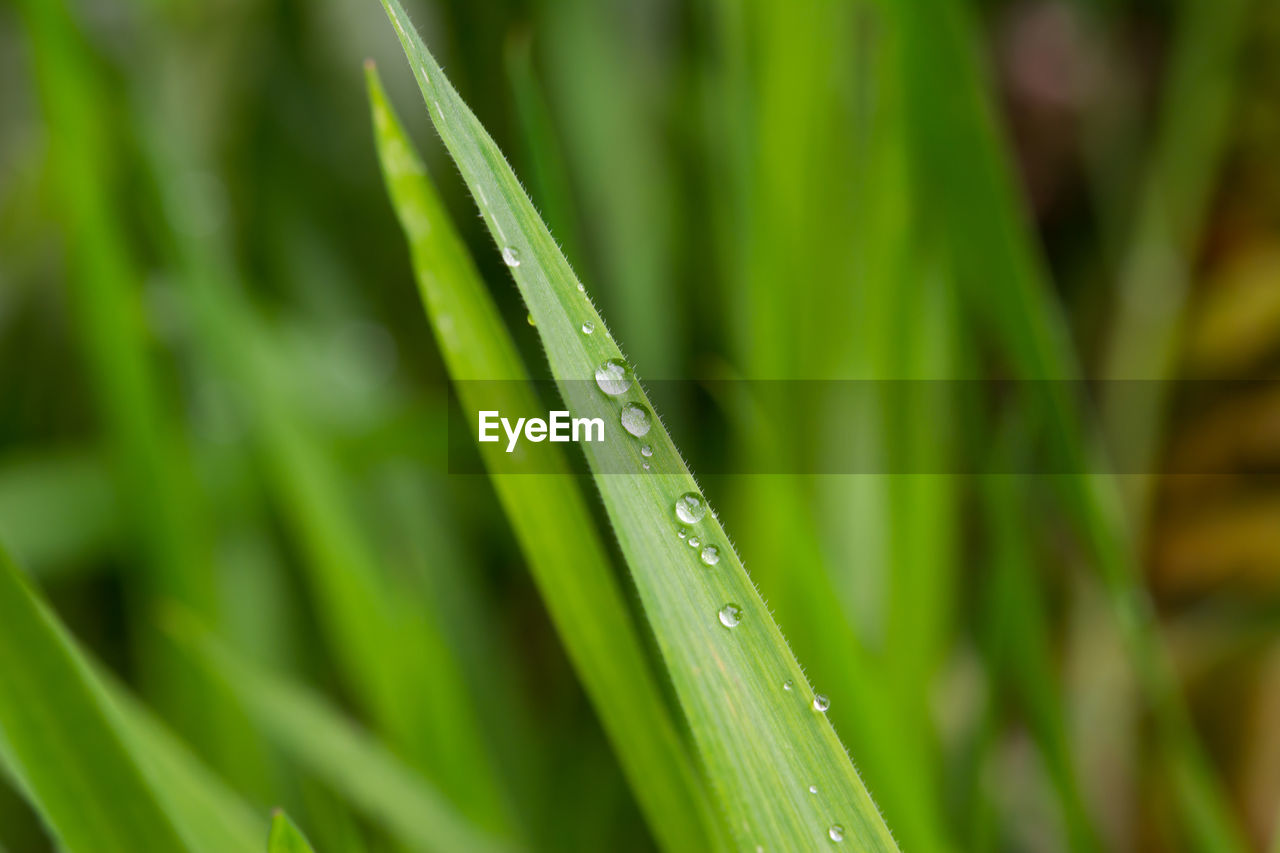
pixel 819 235
pixel 763 746
pixel 1155 273
pixel 152 464
pixel 209 816
pixel 346 758
pixel 961 163
pixel 57 508
pixel 285 837
pixel 58 734
pixel 548 513
pixel 550 176
pixel 625 179
pixel 387 644
pixel 1017 637
pixel 212 817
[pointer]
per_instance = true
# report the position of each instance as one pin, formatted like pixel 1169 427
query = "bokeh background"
pixel 842 189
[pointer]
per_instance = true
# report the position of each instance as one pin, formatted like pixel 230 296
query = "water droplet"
pixel 836 832
pixel 694 541
pixel 635 419
pixel 588 327
pixel 813 789
pixel 730 615
pixel 529 318
pixel 711 555
pixel 689 508
pixel 644 465
pixel 821 703
pixel 510 256
pixel 613 378
pixel 788 684
pixel 646 450
pixel 682 533
pixel 582 288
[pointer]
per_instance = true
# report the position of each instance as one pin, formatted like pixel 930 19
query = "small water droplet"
pixel 813 789
pixel 730 615
pixel 644 465
pixel 635 419
pixel 821 703
pixel 588 327
pixel 646 450
pixel 613 377
pixel 689 508
pixel 682 533
pixel 694 541
pixel 529 318
pixel 711 555
pixel 510 256
pixel 836 832
pixel 788 684
pixel 582 288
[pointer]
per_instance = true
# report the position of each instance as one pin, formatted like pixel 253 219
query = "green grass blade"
pixel 1156 272
pixel 57 508
pixel 212 817
pixel 1018 642
pixel 383 640
pixel 285 837
pixel 625 177
pixel 346 758
pixel 959 158
pixel 58 733
pixel 547 512
pixel 763 746
pixel 549 175
pixel 152 463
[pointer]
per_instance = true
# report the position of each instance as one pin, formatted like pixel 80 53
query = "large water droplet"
pixel 613 377
pixel 689 508
pixel 510 256
pixel 711 555
pixel 635 419
pixel 730 615
pixel 836 832
pixel 821 703
pixel 588 327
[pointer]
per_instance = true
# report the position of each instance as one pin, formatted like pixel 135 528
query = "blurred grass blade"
pixel 347 759
pixel 285 837
pixel 387 643
pixel 58 733
pixel 212 817
pixel 549 175
pixel 58 508
pixel 624 174
pixel 152 462
pixel 1156 272
pixel 973 202
pixel 763 746
pixel 1017 635
pixel 547 512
